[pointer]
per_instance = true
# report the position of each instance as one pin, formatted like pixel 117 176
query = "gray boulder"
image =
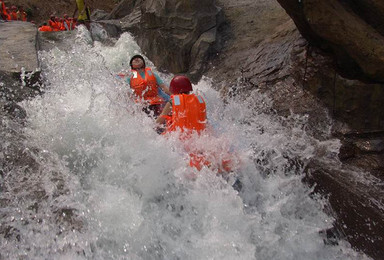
pixel 19 65
pixel 99 15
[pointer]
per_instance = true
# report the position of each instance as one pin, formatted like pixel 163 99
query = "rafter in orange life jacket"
pixel 55 25
pixel 7 15
pixel 13 16
pixel 188 113
pixel 4 12
pixel 22 16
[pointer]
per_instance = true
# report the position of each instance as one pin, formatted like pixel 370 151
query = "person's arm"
pixel 165 88
pixel 161 84
pixel 166 111
pixel 128 78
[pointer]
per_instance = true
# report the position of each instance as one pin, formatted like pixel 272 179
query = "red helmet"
pixel 180 84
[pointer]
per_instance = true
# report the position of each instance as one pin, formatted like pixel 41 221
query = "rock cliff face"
pixel 180 36
pixel 352 31
pixel 174 35
pixel 344 57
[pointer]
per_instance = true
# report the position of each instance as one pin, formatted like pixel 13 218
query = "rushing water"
pixel 112 188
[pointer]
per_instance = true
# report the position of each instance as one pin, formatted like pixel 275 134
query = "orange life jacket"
pixel 13 15
pixel 55 25
pixel 7 16
pixel 45 28
pixel 188 113
pixel 3 11
pixel 146 88
pixel 61 26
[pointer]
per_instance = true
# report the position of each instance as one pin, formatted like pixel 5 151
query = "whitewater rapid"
pixel 115 189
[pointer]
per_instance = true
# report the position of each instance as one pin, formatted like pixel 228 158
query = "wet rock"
pixel 19 66
pixel 364 150
pixel 131 22
pixel 62 40
pixel 18 41
pixel 15 87
pixel 98 15
pixel 113 28
pixel 347 150
pixel 331 236
pixel 351 101
pixel 370 146
pixel 357 201
pixel 15 110
pixel 199 53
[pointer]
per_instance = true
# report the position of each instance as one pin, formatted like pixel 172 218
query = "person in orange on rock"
pixel 21 14
pixel 73 23
pixel 45 28
pixel 3 11
pixel 13 13
pixel 51 20
pixel 54 23
pixel 58 24
pixel 66 23
pixel 7 14
pixel 62 24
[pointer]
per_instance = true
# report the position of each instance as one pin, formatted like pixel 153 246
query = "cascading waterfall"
pixel 112 188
